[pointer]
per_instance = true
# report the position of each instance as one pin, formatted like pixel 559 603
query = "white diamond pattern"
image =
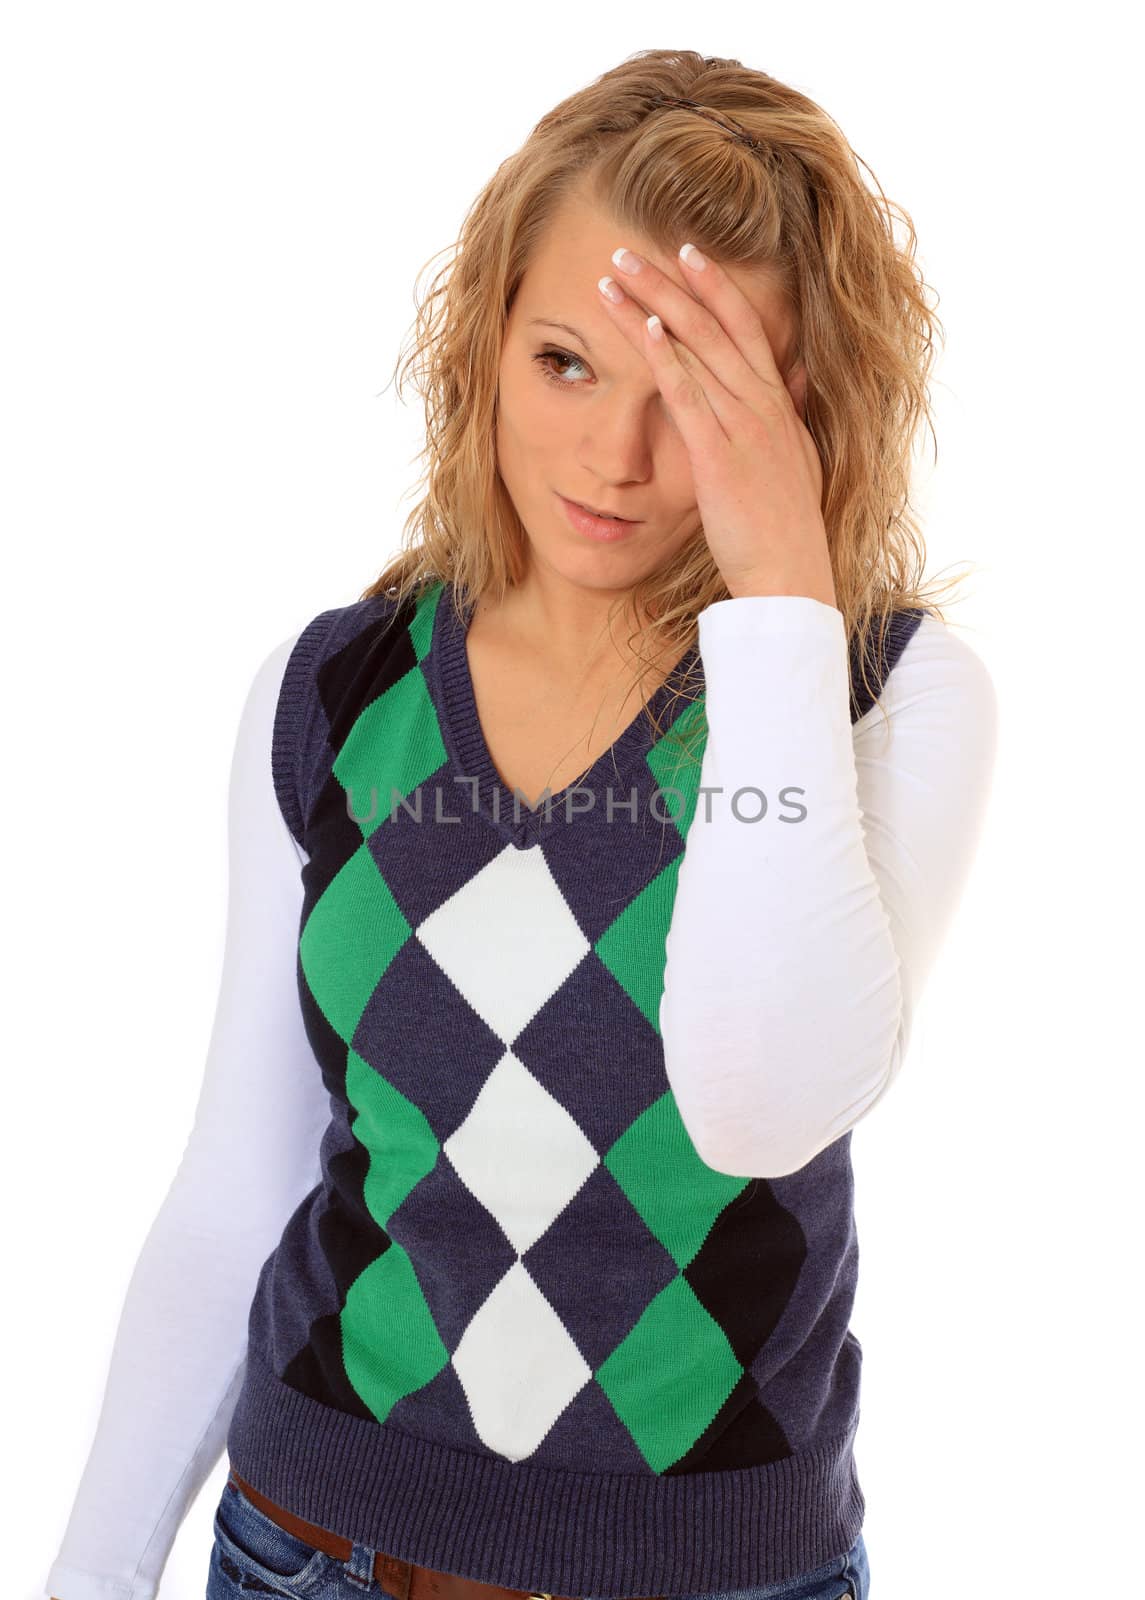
pixel 530 941
pixel 518 1151
pixel 518 1366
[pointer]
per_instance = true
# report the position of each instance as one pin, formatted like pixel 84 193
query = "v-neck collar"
pixel 520 824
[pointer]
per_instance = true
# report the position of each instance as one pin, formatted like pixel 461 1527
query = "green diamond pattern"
pixel 679 1197
pixel 356 928
pixel 394 745
pixel 351 935
pixel 402 1146
pixel 420 629
pixel 632 947
pixel 403 1150
pixel 656 1165
pixel 664 1406
pixel 382 1368
pixel 679 769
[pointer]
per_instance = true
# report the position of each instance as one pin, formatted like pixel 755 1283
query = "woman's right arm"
pixel 178 1358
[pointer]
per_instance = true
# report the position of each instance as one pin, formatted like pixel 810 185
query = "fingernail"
pixel 691 257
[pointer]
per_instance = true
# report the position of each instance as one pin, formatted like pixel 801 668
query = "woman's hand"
pixel 757 473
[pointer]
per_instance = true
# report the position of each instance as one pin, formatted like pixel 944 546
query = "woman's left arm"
pixel 800 942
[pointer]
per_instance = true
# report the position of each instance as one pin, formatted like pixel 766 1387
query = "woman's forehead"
pixel 575 250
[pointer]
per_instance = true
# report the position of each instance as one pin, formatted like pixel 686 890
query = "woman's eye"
pixel 563 358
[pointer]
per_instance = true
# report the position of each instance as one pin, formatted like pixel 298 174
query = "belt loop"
pixel 360 1565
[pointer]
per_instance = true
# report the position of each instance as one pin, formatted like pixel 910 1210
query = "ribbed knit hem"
pixel 532 1528
pixel 291 718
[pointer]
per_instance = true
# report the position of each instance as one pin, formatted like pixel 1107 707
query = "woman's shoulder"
pixel 941 693
pixel 338 624
pixel 368 620
pixel 939 653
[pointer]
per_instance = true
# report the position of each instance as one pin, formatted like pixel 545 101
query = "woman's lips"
pixel 587 522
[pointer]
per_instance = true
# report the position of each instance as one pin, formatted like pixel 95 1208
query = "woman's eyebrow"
pixel 548 321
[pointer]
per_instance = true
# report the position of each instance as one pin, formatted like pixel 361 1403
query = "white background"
pixel 215 217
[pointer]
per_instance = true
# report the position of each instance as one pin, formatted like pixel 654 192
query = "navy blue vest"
pixel 519 1330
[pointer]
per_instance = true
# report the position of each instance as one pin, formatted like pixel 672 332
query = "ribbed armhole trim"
pixel 901 628
pixel 297 702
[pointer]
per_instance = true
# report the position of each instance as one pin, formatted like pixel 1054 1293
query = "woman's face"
pixel 580 414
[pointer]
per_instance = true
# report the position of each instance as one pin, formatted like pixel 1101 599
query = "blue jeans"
pixel 253 1555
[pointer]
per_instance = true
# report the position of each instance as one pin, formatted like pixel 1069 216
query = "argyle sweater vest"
pixel 519 1331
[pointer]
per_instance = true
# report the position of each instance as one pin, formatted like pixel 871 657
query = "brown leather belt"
pixel 405 1580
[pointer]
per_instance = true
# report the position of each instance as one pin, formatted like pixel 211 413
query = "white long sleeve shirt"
pixel 796 956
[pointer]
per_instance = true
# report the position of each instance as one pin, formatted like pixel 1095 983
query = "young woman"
pixel 586 874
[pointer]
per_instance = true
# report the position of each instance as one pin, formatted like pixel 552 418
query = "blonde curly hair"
pixel 799 209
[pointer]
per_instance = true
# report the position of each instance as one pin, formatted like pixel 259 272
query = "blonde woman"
pixel 586 872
